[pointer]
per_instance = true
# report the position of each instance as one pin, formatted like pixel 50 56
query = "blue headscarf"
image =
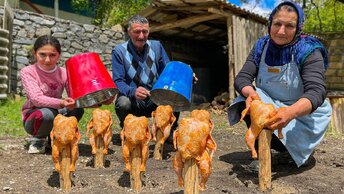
pixel 301 45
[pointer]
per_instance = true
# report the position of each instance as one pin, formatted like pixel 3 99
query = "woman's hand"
pixel 282 116
pixel 69 103
pixel 141 93
pixel 252 96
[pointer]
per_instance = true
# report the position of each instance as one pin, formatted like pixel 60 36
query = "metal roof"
pixel 204 20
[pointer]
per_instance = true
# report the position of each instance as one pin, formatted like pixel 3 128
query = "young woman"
pixel 44 83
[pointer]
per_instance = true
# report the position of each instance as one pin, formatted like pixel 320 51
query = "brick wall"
pixel 335 73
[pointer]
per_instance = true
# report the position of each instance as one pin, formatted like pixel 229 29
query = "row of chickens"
pixel 192 139
pixel 65 133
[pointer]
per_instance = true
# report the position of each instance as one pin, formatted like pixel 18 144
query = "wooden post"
pixel 135 174
pixel 190 177
pixel 65 175
pixel 337 117
pixel 99 156
pixel 230 58
pixel 159 146
pixel 264 156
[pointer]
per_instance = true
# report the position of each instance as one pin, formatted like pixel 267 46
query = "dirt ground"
pixel 21 172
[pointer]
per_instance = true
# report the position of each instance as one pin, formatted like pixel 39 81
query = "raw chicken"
pixel 204 116
pixel 65 133
pixel 163 120
pixel 135 133
pixel 260 113
pixel 101 123
pixel 191 139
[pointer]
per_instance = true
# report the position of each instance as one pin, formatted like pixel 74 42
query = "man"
pixel 136 66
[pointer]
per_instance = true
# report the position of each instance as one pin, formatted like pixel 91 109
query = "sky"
pixel 263 8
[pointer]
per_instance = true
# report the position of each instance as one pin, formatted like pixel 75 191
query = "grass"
pixel 10 118
pixel 11 124
pixel 87 116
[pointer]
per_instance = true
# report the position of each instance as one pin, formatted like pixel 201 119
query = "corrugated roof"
pixel 197 19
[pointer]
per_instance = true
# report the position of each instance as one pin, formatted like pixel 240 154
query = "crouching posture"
pixel 135 134
pixel 260 113
pixel 101 123
pixel 191 139
pixel 65 134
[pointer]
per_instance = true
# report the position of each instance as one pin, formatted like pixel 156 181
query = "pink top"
pixel 43 89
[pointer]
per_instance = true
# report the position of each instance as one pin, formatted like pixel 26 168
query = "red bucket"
pixel 89 82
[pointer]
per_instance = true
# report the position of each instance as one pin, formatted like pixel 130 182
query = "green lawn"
pixel 10 118
pixel 11 122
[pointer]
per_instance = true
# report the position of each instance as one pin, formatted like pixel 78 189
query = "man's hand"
pixel 195 79
pixel 141 93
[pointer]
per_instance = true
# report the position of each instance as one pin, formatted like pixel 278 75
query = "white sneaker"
pixel 37 146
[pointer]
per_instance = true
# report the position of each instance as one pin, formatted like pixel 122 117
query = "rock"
pixel 7 189
pixel 249 184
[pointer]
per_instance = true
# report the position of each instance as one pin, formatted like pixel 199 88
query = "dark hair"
pixel 47 39
pixel 137 19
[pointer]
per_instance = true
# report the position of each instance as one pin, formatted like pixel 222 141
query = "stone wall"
pixel 74 37
pixel 335 73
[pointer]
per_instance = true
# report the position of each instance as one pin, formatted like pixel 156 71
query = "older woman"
pixel 288 68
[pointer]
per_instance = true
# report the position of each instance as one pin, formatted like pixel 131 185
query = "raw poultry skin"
pixel 135 133
pixel 163 120
pixel 191 139
pixel 204 115
pixel 101 123
pixel 65 132
pixel 260 113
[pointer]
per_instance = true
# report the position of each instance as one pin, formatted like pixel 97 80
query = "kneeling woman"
pixel 288 68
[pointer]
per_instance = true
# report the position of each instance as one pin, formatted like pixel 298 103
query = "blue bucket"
pixel 174 86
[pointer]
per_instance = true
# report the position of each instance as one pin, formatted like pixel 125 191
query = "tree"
pixel 323 16
pixel 110 12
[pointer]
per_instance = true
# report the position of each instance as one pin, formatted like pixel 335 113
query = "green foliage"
pixel 110 12
pixel 324 16
pixel 10 118
pixel 12 125
pixel 123 10
pixel 82 125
